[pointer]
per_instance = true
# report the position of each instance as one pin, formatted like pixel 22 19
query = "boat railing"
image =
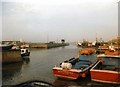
pixel 72 60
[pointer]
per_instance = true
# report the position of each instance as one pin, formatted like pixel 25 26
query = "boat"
pixel 25 52
pixel 79 44
pixel 107 70
pixel 117 47
pixel 5 47
pixel 87 51
pixel 103 48
pixel 15 47
pixel 75 68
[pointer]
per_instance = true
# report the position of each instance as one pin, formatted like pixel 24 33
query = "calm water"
pixel 39 67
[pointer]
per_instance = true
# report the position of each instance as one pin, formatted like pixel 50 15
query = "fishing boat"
pixel 87 51
pixel 79 44
pixel 15 47
pixel 25 52
pixel 75 68
pixel 107 70
pixel 103 48
pixel 5 47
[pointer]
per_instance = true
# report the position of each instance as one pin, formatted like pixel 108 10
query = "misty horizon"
pixel 53 20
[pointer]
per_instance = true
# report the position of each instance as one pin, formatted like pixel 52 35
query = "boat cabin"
pixel 25 52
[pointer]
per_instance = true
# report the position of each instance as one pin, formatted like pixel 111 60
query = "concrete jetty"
pixel 53 45
pixel 47 45
pixel 38 45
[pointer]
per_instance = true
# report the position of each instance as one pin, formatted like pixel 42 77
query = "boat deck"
pixel 108 67
pixel 81 64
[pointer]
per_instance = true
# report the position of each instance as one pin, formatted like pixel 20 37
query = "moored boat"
pixel 15 48
pixel 103 48
pixel 91 50
pixel 107 70
pixel 5 47
pixel 87 51
pixel 25 52
pixel 79 44
pixel 75 68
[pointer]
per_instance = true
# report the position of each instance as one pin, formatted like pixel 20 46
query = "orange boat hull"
pixel 68 74
pixel 105 76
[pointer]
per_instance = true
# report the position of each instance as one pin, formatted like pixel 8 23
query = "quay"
pixel 10 56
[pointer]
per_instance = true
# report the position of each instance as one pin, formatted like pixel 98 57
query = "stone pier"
pixel 47 45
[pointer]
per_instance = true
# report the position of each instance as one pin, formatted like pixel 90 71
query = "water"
pixel 39 67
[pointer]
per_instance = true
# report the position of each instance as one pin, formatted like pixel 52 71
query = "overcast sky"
pixel 52 20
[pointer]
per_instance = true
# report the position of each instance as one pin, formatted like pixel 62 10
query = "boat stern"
pixel 64 73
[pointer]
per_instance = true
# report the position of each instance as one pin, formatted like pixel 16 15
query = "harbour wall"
pixel 10 56
pixel 38 45
pixel 47 45
pixel 53 45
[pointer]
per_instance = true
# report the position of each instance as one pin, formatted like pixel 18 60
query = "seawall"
pixel 53 45
pixel 47 45
pixel 10 56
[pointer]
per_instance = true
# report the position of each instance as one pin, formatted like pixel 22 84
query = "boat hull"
pixel 105 76
pixel 6 47
pixel 75 68
pixel 70 74
pixel 25 54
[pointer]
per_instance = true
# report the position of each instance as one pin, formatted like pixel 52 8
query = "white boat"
pixel 25 52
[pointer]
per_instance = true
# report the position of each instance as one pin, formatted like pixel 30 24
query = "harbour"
pixel 64 43
pixel 38 66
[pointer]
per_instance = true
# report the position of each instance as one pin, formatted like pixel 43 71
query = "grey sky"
pixel 53 20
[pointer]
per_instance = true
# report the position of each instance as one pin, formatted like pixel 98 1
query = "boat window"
pixel 22 50
pixel 26 50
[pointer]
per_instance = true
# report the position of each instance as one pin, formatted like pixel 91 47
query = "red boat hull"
pixel 69 74
pixel 105 76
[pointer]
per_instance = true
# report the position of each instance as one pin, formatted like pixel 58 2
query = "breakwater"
pixel 9 56
pixel 47 45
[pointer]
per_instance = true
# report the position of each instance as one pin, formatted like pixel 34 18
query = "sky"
pixel 53 20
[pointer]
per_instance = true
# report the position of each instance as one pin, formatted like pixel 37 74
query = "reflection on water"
pixel 9 71
pixel 26 60
pixel 67 83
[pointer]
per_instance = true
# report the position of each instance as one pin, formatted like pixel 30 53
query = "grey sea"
pixel 38 66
